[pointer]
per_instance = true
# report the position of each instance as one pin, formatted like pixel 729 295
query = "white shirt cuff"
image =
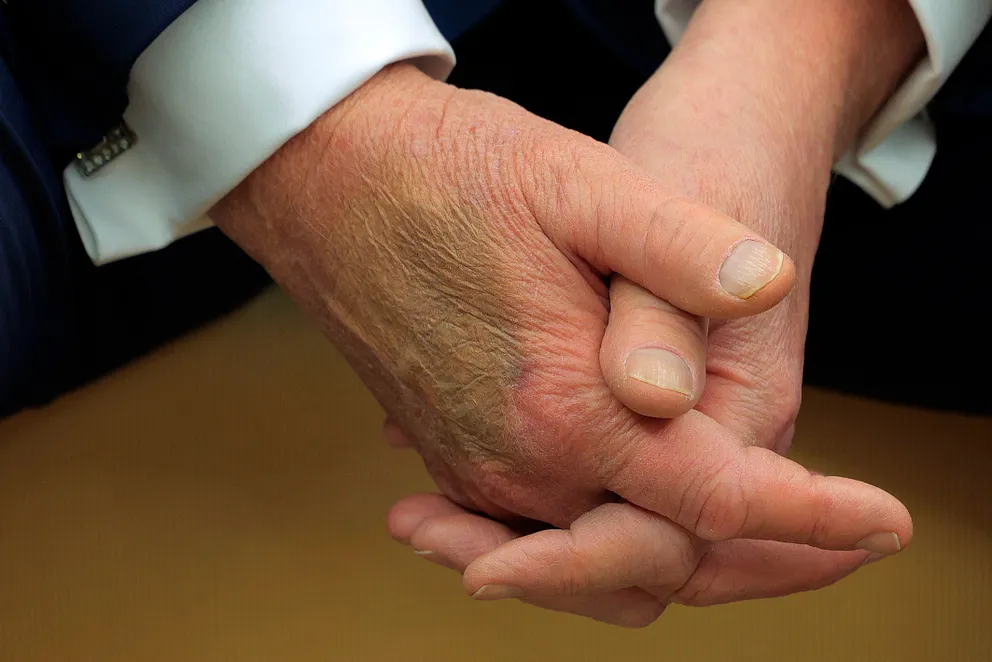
pixel 220 91
pixel 894 153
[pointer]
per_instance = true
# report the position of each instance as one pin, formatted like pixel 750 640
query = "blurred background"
pixel 224 498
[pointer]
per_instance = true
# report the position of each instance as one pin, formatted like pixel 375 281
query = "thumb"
pixel 617 218
pixel 653 355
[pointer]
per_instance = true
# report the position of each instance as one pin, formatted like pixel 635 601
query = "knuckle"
pixel 723 514
pixel 668 233
pixel 428 535
pixel 715 507
pixel 554 163
pixel 697 589
pixel 700 591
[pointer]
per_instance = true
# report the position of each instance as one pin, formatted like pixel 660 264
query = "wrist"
pixel 759 100
pixel 337 146
pixel 819 69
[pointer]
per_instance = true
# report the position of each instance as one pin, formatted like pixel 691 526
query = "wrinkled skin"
pixel 729 152
pixel 753 378
pixel 454 247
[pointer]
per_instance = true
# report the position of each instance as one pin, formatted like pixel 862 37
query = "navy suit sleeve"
pixel 64 67
pixel 72 59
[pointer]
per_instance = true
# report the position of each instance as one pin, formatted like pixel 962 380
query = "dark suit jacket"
pixel 64 67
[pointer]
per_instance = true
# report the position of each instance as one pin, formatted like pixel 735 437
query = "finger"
pixel 622 545
pixel 409 513
pixel 612 547
pixel 719 488
pixel 737 570
pixel 686 253
pixel 395 437
pixel 445 534
pixel 462 538
pixel 653 354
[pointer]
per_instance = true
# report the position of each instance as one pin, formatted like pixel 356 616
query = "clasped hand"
pixel 530 306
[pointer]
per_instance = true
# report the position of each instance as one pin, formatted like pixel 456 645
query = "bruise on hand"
pixel 410 281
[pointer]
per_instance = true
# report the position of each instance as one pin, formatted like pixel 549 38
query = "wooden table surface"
pixel 224 500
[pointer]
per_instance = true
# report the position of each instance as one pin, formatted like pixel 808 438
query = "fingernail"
pixel 750 267
pixel 884 544
pixel 422 552
pixel 661 368
pixel 872 558
pixel 497 592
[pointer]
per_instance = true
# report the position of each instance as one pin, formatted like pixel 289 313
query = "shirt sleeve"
pixel 220 91
pixel 893 155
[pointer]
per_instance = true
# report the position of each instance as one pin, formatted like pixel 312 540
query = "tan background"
pixel 224 500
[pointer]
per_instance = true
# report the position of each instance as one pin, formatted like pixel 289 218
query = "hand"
pixel 753 164
pixel 752 373
pixel 454 245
